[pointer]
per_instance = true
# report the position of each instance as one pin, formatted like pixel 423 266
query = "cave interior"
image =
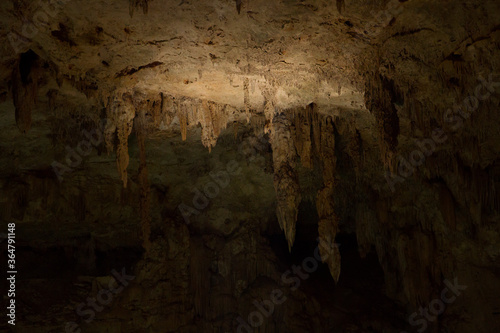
pixel 250 166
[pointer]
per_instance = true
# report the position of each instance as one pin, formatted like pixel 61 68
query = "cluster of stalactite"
pixel 430 228
pixel 316 133
pixel 162 112
pixel 381 98
pixel 293 135
pixel 298 134
pixel 120 116
pixel 212 117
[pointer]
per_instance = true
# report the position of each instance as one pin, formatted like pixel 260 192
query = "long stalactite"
pixel 120 115
pixel 286 182
pixel 144 188
pixel 328 225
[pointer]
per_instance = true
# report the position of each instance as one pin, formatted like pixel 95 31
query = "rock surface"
pixel 176 139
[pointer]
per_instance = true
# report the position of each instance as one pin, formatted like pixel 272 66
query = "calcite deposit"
pixel 254 166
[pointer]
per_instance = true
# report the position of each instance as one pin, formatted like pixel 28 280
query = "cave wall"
pixel 432 85
pixel 382 116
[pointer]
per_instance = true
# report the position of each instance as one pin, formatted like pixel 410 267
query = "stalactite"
pixel 238 6
pixel 316 131
pixel 327 230
pixel 192 109
pixel 235 129
pixel 25 88
pixel 109 136
pixel 144 202
pixel 303 142
pixel 168 109
pixel 213 118
pixel 207 133
pixel 269 106
pixel 155 105
pixel 366 224
pixel 216 113
pixel 328 220
pixel 246 98
pixel 280 127
pixel 120 114
pixel 183 120
pixel 286 182
pixel 380 98
pixel 355 150
pixel 122 157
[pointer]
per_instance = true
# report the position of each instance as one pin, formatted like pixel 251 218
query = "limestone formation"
pixel 285 176
pixel 341 156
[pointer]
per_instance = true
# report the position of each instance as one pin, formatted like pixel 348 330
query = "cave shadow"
pixel 358 298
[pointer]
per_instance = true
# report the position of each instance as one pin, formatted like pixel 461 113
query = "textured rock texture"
pixel 209 146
